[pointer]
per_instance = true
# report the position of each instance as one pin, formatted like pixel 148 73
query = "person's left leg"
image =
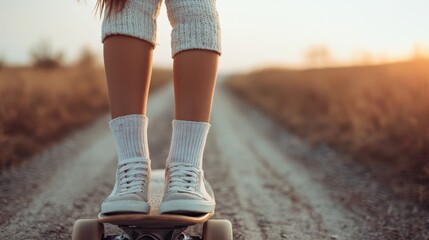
pixel 196 50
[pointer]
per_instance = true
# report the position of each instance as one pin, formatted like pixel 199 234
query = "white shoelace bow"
pixel 183 178
pixel 132 174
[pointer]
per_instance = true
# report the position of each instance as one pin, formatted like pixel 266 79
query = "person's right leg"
pixel 128 62
pixel 128 65
pixel 129 38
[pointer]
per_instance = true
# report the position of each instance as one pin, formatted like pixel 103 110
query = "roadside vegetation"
pixel 377 114
pixel 41 103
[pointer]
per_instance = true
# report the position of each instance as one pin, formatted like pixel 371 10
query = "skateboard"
pixel 154 225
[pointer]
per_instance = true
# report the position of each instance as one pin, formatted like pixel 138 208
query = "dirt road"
pixel 267 182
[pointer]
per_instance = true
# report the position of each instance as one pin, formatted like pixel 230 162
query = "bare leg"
pixel 195 74
pixel 195 45
pixel 194 83
pixel 128 65
pixel 129 38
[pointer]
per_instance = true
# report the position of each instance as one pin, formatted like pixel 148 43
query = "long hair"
pixel 111 6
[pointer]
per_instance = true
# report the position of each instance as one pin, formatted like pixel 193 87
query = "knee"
pixel 195 25
pixel 137 19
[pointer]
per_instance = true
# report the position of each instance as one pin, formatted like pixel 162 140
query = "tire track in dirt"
pixel 280 197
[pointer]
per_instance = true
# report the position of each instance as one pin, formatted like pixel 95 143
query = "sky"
pixel 255 34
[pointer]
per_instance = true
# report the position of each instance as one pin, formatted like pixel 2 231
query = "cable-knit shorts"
pixel 195 23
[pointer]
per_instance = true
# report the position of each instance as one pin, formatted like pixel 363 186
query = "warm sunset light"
pixel 313 123
pixel 254 34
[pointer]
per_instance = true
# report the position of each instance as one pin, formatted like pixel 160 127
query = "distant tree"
pixel 363 57
pixel 318 56
pixel 87 58
pixel 418 52
pixel 2 61
pixel 44 57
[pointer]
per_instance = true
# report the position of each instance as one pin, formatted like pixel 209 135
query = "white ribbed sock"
pixel 188 142
pixel 130 135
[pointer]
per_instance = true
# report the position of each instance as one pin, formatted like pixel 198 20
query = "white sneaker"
pixel 185 191
pixel 130 193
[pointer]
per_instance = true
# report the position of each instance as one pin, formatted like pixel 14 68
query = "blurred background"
pixel 282 33
pixel 353 75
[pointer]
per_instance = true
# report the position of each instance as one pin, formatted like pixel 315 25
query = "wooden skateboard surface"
pixel 154 218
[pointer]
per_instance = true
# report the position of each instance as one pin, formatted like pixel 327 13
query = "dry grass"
pixel 37 107
pixel 378 114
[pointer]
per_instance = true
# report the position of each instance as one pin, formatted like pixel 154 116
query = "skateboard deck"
pixel 154 225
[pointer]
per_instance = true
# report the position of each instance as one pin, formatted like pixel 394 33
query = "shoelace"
pixel 132 174
pixel 183 178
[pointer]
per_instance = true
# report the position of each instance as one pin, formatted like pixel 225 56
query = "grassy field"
pixel 377 114
pixel 39 106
